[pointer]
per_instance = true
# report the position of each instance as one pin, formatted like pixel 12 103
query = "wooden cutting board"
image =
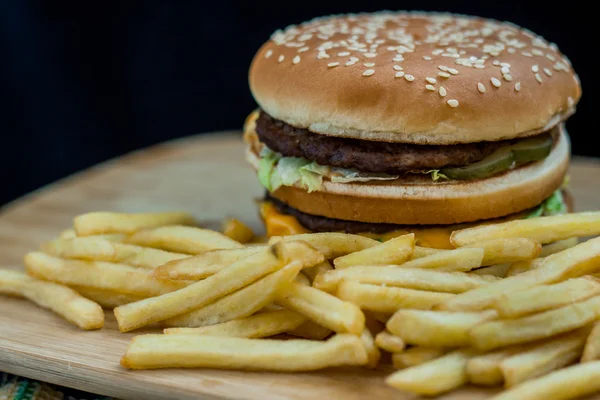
pixel 206 175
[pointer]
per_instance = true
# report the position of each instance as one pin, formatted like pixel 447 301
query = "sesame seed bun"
pixel 418 78
pixel 415 200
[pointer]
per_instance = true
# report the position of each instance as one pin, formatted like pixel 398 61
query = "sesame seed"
pixel 426 58
pixel 512 50
pixel 437 52
pixel 527 54
pixel 430 80
pixel 550 57
pixel 296 60
pixel 303 49
pixel 281 58
pixel 496 82
pixel 322 55
pixel 397 68
pixel 368 72
pixel 507 77
pixel 517 86
pixel 535 69
pixel 430 87
pixel 333 64
pixel 409 77
pixel 547 72
pixel 444 74
pixel 343 53
pixel 369 65
pixel 505 70
pixel 570 101
pixel 442 91
pixel 452 103
pixel 453 71
pixel 443 68
pixel 538 78
pixel 496 63
pixel 398 59
pixel 399 74
pixel 481 87
pixel 479 66
pixel 354 59
pixel 537 52
pixel 370 55
pixel 269 53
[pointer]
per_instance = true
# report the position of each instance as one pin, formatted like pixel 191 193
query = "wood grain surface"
pixel 206 175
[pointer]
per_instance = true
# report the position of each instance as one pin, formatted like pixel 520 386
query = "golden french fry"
pixel 301 252
pixel 92 248
pixel 567 383
pixel 96 223
pixel 203 265
pixel 199 351
pixel 556 247
pixel 183 239
pixel 237 275
pixel 410 278
pixel 311 330
pixel 464 259
pixel 543 358
pixel 60 299
pixel 523 266
pixel 394 251
pixel 97 274
pixel 254 326
pixel 499 251
pixel 436 328
pixel 107 299
pixel 416 355
pixel 373 353
pixel 494 334
pixel 388 342
pixel 499 270
pixel 420 252
pixel 388 299
pixel 312 272
pixel 237 230
pixel 484 369
pixel 433 377
pixel 67 234
pixel 546 297
pixel 591 351
pixel 321 307
pixel 331 244
pixel 543 229
pixel 575 261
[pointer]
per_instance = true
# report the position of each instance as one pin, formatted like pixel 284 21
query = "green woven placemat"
pixel 17 388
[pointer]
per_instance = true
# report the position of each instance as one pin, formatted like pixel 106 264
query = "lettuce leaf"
pixel 553 205
pixel 344 175
pixel 268 159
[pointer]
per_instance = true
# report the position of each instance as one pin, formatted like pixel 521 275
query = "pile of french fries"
pixel 513 305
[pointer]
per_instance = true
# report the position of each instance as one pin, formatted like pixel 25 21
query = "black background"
pixel 86 81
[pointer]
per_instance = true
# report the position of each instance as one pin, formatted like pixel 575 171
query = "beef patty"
pixel 367 156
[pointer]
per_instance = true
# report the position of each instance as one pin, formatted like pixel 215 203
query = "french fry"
pixel 92 248
pixel 546 297
pixel 591 351
pixel 254 326
pixel 242 273
pixel 499 270
pixel 107 299
pixel 484 369
pixel 198 351
pixel 321 268
pixel 494 334
pixel 568 383
pixel 302 279
pixel 410 278
pixel 113 237
pixel 330 244
pixel 96 223
pixel 60 299
pixel 524 266
pixel 543 229
pixel 416 356
pixel 433 377
pixel 388 299
pixel 183 239
pixel 301 252
pixel 311 330
pixel 388 342
pixel 97 274
pixel 241 303
pixel 543 358
pixel 237 230
pixel 500 251
pixel 436 328
pixel 575 261
pixel 324 309
pixel 420 252
pixel 203 265
pixel 449 260
pixel 559 246
pixel 67 234
pixel 394 251
pixel 373 353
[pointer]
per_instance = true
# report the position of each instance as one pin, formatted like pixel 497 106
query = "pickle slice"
pixel 532 149
pixel 500 160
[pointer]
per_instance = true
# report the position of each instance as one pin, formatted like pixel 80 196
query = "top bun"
pixel 422 78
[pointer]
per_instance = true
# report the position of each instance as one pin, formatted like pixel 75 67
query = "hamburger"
pixel 386 123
